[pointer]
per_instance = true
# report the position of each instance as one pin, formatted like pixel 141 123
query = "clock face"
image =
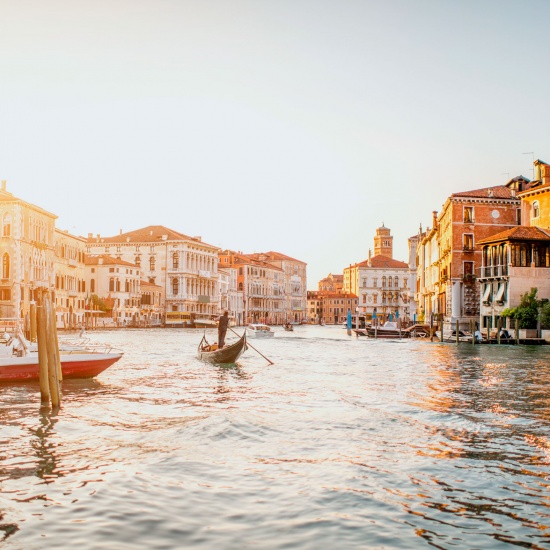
pixel 495 214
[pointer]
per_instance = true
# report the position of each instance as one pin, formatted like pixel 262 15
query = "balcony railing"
pixel 494 271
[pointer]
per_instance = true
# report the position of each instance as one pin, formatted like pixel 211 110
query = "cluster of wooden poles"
pixel 43 331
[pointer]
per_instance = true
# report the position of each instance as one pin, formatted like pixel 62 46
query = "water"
pixel 343 442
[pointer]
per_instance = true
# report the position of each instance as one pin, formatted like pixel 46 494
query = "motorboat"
pixel 257 330
pixel 390 329
pixel 450 336
pixel 19 360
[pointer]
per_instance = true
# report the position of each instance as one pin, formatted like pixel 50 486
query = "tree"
pixel 95 300
pixel 527 312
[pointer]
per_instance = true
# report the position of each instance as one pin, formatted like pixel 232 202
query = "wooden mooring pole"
pixel 40 320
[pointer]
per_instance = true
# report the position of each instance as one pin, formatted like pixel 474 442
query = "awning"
pixel 500 293
pixel 487 293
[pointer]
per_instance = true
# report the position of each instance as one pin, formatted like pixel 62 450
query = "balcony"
pixel 468 249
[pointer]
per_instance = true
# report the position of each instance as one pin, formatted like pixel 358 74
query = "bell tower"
pixel 383 242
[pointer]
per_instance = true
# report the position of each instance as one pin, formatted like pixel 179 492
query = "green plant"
pixel 527 312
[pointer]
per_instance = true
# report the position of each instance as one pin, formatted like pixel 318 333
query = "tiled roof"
pixel 519 233
pixel 380 261
pixel 106 260
pixel 146 284
pixel 149 234
pixel 497 192
pixel 276 256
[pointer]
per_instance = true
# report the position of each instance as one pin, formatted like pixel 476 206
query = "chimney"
pixel 489 193
pixel 100 260
pixel 90 236
pixel 434 218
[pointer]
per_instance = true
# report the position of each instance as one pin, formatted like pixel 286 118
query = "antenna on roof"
pixel 533 163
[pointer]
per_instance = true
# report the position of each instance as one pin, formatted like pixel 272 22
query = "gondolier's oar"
pixel 251 346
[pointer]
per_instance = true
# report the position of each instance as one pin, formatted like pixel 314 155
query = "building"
pixel 27 252
pixel 382 285
pixel 262 285
pixel 535 197
pixel 450 255
pixel 513 262
pixel 334 283
pixel 152 304
pixel 116 283
pixel 186 267
pixel 70 279
pixel 330 307
pixel 295 284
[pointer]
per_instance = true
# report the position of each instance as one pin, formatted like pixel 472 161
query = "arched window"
pixel 390 282
pixel 111 285
pixel 175 260
pixel 536 209
pixel 117 285
pixel 383 281
pixel 152 263
pixel 240 286
pixel 396 282
pixel 92 285
pixel 127 286
pixel 6 266
pixel 6 225
pixel 138 261
pixel 175 286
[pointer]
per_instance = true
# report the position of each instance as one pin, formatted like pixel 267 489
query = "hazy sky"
pixel 298 126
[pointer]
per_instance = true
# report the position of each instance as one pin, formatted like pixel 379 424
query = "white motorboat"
pixel 257 330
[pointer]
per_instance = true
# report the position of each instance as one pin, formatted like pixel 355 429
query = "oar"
pixel 251 346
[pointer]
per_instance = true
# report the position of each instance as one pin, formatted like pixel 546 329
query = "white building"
pixel 184 266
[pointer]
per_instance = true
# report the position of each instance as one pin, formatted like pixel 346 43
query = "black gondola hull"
pixel 226 355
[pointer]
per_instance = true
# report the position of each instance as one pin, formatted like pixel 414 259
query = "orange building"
pixel 466 218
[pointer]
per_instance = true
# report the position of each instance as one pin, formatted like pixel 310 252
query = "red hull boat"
pixel 73 365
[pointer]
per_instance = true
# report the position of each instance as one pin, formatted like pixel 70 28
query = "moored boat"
pixel 205 322
pixel 390 329
pixel 73 365
pixel 226 355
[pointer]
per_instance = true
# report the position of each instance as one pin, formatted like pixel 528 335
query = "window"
pixel 111 285
pixel 152 263
pixel 175 260
pixel 500 293
pixel 138 261
pixel 468 268
pixel 390 282
pixel 6 266
pixel 468 214
pixel 468 241
pixel 175 286
pixel 92 285
pixel 396 282
pixel 536 209
pixel 383 281
pixel 6 225
pixel 375 282
pixel 487 294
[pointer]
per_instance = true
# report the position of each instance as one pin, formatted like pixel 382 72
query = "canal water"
pixel 343 442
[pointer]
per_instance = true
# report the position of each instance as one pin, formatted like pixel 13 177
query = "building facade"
pixel 186 267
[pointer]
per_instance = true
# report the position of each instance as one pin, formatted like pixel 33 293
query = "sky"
pixel 296 126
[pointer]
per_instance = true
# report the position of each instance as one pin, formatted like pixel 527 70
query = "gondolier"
pixel 223 323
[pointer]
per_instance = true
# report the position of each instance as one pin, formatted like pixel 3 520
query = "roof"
pixel 519 233
pixel 381 261
pixel 496 192
pixel 106 260
pixel 274 256
pixel 149 234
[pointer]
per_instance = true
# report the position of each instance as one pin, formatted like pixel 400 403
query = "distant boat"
pixel 257 330
pixel 288 327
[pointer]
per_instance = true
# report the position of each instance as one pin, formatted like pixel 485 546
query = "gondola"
pixel 226 355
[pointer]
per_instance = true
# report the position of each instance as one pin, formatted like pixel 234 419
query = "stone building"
pixel 382 285
pixel 27 253
pixel 262 285
pixel 70 279
pixel 186 267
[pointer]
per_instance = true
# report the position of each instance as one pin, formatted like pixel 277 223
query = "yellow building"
pixel 535 198
pixel 27 252
pixel 70 279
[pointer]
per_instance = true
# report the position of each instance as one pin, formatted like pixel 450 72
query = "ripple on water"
pixel 343 441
